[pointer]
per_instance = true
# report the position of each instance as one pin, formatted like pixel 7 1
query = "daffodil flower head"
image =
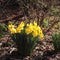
pixel 11 28
pixel 41 36
pixel 13 31
pixel 20 27
pixel 35 33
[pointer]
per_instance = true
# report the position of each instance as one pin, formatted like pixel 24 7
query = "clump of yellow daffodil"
pixel 29 28
pixel 26 35
pixel 34 29
pixel 13 30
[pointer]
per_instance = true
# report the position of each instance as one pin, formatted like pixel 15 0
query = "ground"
pixel 45 49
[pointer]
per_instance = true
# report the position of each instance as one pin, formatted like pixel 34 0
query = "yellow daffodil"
pixel 20 27
pixel 29 28
pixel 35 33
pixel 28 31
pixel 10 26
pixel 41 36
pixel 13 30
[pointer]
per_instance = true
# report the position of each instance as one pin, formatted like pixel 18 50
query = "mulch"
pixel 43 51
